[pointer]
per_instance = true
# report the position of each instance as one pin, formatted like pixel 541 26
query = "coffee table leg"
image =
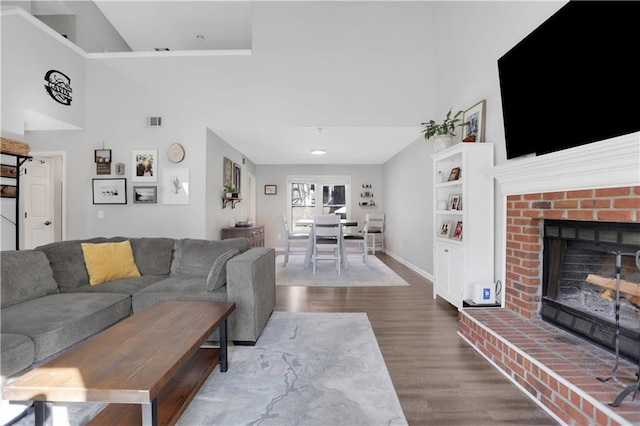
pixel 224 363
pixel 150 413
pixel 42 417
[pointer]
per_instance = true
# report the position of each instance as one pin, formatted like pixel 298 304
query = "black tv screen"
pixel 574 80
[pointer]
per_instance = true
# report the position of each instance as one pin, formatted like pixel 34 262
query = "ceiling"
pixel 223 25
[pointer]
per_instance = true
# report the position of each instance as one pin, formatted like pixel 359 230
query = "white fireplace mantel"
pixel 607 164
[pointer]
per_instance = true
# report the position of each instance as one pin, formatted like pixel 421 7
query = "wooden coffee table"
pixel 153 359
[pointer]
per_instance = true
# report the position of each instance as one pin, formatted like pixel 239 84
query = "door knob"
pixel 47 223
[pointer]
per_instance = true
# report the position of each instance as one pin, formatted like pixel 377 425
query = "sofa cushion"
pixel 67 262
pixel 17 353
pixel 153 255
pixel 181 287
pixel 218 274
pixel 58 321
pixel 109 261
pixel 196 257
pixel 25 275
pixel 128 286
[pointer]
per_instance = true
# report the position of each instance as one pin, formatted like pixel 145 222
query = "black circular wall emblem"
pixel 58 86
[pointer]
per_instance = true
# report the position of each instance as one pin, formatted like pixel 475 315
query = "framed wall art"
pixel 145 194
pixel 109 191
pixel 473 123
pixel 144 165
pixel 227 172
pixel 175 186
pixel 237 177
pixel 270 189
pixel 102 155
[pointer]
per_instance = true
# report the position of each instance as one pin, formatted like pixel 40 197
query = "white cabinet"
pixel 462 220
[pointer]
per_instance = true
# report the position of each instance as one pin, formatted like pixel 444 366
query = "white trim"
pixel 63 156
pixel 606 164
pixel 409 265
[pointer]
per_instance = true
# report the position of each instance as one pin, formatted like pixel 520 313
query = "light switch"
pixel 100 214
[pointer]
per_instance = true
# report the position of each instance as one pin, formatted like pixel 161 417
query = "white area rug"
pixel 306 369
pixel 359 274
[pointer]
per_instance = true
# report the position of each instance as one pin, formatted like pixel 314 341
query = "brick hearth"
pixel 557 369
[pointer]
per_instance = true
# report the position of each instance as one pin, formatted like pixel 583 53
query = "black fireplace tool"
pixel 634 388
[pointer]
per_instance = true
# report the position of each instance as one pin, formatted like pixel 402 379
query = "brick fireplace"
pixel 599 182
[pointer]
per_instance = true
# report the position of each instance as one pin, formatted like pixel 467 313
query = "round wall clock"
pixel 176 153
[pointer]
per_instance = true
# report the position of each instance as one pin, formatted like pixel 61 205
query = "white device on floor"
pixel 484 293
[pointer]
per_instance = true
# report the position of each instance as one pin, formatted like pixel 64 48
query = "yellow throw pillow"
pixel 109 261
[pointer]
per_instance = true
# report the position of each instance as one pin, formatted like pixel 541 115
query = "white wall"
pixel 271 207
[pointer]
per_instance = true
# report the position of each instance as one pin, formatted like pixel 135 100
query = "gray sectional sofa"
pixel 48 304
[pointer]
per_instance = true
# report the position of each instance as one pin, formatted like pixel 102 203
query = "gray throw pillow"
pixel 218 274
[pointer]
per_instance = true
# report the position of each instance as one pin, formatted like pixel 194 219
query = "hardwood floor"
pixel 439 378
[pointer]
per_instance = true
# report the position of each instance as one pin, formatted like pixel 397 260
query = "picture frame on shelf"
pixel 445 228
pixel 457 233
pixel 270 189
pixel 454 201
pixel 145 194
pixel 109 190
pixel 144 165
pixel 473 121
pixel 455 174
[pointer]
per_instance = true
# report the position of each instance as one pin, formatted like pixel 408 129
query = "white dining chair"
pixel 361 238
pixel 327 244
pixel 290 237
pixel 376 231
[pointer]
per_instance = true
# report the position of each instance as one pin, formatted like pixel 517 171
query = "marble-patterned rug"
pixel 372 274
pixel 306 369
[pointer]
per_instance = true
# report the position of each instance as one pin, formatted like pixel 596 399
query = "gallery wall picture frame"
pixel 237 178
pixel 175 186
pixel 473 121
pixel 227 172
pixel 144 165
pixel 145 194
pixel 102 155
pixel 455 174
pixel 270 189
pixel 109 190
pixel 445 229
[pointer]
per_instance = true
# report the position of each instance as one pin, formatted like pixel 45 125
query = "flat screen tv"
pixel 574 80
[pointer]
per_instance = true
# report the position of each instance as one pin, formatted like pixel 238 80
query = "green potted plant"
pixel 442 133
pixel 229 191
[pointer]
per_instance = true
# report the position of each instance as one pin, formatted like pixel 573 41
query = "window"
pixel 310 195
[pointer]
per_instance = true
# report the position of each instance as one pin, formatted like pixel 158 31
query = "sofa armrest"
pixel 251 284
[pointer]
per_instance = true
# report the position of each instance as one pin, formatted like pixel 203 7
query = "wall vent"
pixel 154 121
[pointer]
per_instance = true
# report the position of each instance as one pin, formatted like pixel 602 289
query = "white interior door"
pixel 38 202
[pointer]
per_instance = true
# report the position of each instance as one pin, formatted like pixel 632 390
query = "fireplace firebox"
pixel 583 264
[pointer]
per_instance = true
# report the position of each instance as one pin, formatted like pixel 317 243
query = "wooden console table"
pixel 255 234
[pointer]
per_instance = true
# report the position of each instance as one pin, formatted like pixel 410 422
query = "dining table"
pixel 310 242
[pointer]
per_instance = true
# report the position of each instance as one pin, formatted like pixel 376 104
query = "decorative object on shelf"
pixel 145 194
pixel 457 233
pixel 270 189
pixel 366 185
pixel 237 176
pixel 175 186
pixel 145 164
pixel 473 123
pixel 442 205
pixel 229 191
pixel 442 133
pixel 445 228
pixel 109 191
pixel 454 201
pixel 227 172
pixel 455 174
pixel 175 153
pixel 9 146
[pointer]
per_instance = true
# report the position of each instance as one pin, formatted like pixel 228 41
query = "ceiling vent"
pixel 154 121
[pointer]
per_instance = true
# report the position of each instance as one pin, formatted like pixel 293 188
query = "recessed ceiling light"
pixel 318 152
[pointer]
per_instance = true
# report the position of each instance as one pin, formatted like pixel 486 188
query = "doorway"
pixel 42 200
